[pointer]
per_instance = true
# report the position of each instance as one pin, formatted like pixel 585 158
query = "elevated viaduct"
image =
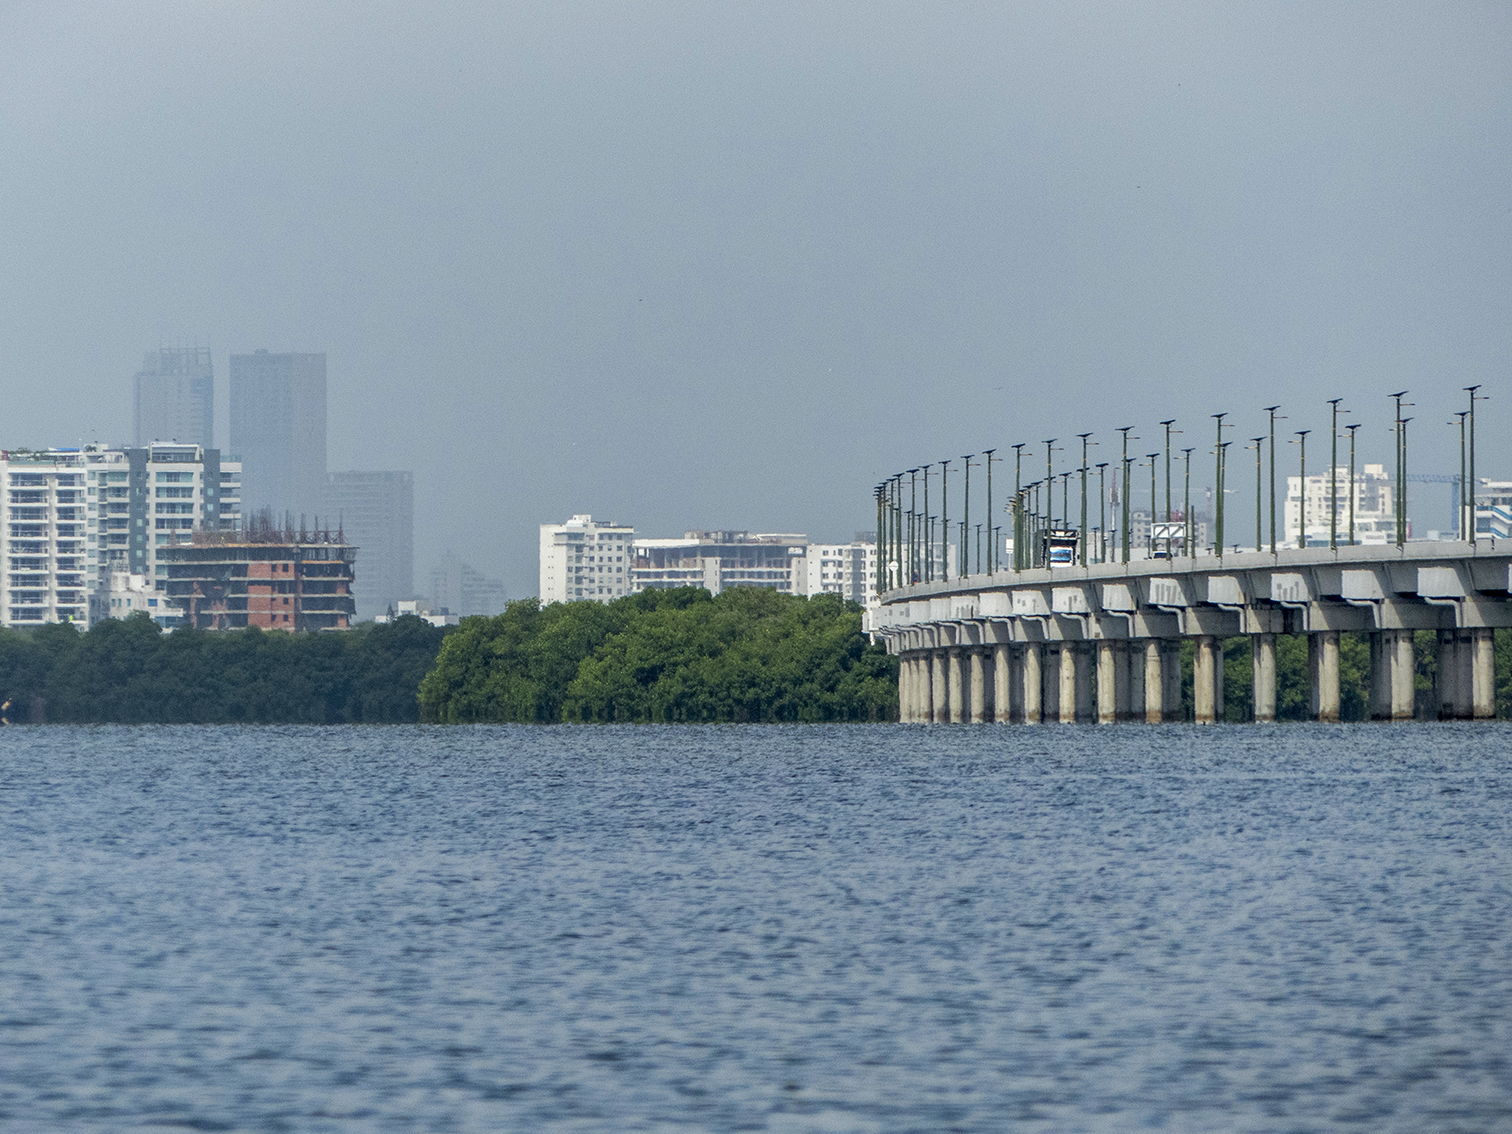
pixel 1103 642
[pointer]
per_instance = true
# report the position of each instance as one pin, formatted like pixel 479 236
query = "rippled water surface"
pixel 757 928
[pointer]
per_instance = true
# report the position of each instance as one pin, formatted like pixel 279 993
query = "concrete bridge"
pixel 1103 642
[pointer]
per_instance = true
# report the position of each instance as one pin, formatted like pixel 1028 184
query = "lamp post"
pixel 1352 429
pixel 1102 514
pixel 913 526
pixel 1459 495
pixel 927 536
pixel 1272 411
pixel 1168 423
pixel 1189 530
pixel 1123 530
pixel 1218 478
pixel 1399 490
pixel 1302 496
pixel 1082 538
pixel 945 521
pixel 1470 487
pixel 992 551
pixel 1259 486
pixel 1333 476
pixel 1154 502
pixel 965 551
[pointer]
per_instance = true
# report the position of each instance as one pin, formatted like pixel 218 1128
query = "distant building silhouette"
pixel 278 428
pixel 376 511
pixel 458 589
pixel 174 397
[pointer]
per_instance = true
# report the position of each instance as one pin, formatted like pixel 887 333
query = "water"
pixel 756 928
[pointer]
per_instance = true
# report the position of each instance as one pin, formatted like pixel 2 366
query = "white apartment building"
pixel 845 569
pixel 44 564
pixel 1374 506
pixel 74 517
pixel 585 559
pixel 142 500
pixel 716 560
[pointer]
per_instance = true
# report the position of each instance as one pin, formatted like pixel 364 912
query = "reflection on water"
pixel 757 928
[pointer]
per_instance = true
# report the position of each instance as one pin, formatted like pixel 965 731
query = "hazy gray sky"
pixel 728 265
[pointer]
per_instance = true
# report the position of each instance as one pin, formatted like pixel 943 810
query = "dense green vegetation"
pixel 748 655
pixel 129 672
pixel 751 654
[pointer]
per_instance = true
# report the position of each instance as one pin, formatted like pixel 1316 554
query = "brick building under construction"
pixel 265 576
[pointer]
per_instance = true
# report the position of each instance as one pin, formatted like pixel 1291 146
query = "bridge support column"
pixel 1154 683
pixel 1135 668
pixel 1401 680
pixel 1069 680
pixel 939 690
pixel 1002 680
pixel 1323 669
pixel 1086 660
pixel 1170 670
pixel 978 685
pixel 1034 656
pixel 1450 684
pixel 1112 682
pixel 1263 664
pixel 905 688
pixel 955 686
pixel 1207 680
pixel 1483 674
pixel 1380 675
pixel 918 688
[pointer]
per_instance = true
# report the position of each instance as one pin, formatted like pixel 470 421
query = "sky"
pixel 728 266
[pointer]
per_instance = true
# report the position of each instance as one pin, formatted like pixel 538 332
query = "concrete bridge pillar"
pixel 1483 675
pixel 1112 682
pixel 1034 657
pixel 1401 675
pixel 1170 672
pixel 1207 680
pixel 1154 682
pixel 956 686
pixel 1002 678
pixel 1263 659
pixel 1323 670
pixel 918 688
pixel 940 693
pixel 1380 675
pixel 978 685
pixel 1450 684
pixel 1135 667
pixel 905 688
pixel 1070 678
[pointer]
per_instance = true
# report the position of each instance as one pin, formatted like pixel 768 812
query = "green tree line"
pixel 749 654
pixel 130 672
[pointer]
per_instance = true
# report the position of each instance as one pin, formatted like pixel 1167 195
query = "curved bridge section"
pixel 1103 643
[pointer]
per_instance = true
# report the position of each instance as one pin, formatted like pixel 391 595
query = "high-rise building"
pixel 44 567
pixel 458 589
pixel 278 429
pixel 74 517
pixel 141 500
pixel 1374 506
pixel 174 397
pixel 585 559
pixel 376 513
pixel 845 569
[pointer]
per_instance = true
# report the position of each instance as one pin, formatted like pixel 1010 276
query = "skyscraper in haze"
pixel 278 428
pixel 376 512
pixel 175 397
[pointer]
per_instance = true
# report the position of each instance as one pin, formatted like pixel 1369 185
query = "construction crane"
pixel 1453 481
